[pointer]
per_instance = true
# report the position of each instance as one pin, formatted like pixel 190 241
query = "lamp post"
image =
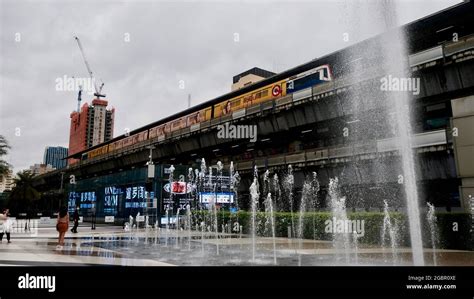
pixel 151 177
pixel 61 189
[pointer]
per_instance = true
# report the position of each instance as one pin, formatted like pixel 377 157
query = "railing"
pixel 430 56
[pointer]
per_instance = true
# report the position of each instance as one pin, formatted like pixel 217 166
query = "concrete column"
pixel 463 126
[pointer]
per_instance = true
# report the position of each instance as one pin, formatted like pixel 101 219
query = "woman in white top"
pixel 4 225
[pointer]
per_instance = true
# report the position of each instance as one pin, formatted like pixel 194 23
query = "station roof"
pixel 255 71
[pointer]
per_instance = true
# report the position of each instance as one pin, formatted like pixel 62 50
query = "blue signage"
pixel 111 199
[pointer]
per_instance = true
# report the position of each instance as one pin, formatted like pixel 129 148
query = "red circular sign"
pixel 276 90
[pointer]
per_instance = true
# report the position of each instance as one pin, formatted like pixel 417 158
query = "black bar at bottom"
pixel 243 282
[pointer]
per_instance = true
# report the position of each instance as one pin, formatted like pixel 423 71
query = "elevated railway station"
pixel 308 117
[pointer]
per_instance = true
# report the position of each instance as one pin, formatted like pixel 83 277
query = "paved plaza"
pixel 111 245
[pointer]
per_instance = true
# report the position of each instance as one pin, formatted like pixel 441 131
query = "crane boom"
pixel 97 90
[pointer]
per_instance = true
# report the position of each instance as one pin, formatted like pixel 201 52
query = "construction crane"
pixel 98 90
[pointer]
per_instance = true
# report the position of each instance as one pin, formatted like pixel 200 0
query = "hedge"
pixel 314 226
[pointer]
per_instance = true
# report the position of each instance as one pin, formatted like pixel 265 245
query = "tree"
pixel 4 166
pixel 23 195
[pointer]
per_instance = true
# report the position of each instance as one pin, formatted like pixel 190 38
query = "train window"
pixel 248 99
pixel 160 131
pixel 194 118
pixel 264 93
pixel 305 82
pixel 326 74
pixel 235 103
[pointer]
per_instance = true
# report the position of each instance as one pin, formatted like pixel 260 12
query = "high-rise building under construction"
pixel 92 125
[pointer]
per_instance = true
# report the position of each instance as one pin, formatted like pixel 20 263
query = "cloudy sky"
pixel 143 49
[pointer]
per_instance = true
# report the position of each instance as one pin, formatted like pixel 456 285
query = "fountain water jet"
pixel 178 227
pixel 188 224
pixel 395 64
pixel 341 240
pixel 392 233
pixel 167 226
pixel 214 210
pixel 306 204
pixel 388 57
pixel 288 184
pixel 269 212
pixel 431 218
pixel 254 196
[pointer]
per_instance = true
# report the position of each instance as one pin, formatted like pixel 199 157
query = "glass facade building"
pixel 55 156
pixel 121 194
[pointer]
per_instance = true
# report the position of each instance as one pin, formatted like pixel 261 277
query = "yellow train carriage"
pixel 180 123
pixel 112 146
pixel 177 124
pixel 266 93
pixel 135 138
pixel 142 136
pixel 116 145
pixel 98 152
pixel 206 113
pixel 198 117
pixel 156 131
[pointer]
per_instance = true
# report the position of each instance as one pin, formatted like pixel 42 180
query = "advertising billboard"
pixel 85 200
pixel 221 198
pixel 135 197
pixel 111 199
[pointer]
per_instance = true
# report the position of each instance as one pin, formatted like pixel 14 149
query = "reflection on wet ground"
pixel 113 246
pixel 182 248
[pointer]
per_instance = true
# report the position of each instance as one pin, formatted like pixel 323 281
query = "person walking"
pixel 62 226
pixel 4 225
pixel 75 218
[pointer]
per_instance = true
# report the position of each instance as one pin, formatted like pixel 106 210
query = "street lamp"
pixel 151 179
pixel 61 189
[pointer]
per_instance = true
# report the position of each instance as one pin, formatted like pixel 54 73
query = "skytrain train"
pixel 292 85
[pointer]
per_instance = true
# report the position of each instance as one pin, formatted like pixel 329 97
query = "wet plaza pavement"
pixel 111 245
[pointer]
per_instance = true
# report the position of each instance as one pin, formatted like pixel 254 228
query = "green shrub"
pixel 314 226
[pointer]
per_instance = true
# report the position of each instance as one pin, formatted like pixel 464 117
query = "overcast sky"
pixel 142 49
